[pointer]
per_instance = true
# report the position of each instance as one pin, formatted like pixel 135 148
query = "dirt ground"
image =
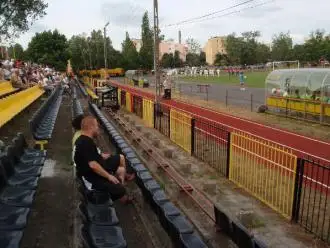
pixel 264 223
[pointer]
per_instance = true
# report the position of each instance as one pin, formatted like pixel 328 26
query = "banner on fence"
pixel 180 126
pixel 265 169
pixel 148 112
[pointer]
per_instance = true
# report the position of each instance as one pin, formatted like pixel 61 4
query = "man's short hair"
pixel 76 123
pixel 87 122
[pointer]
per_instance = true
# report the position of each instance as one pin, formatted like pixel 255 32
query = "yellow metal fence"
pixel 128 102
pixel 180 126
pixel 264 169
pixel 148 112
pixel 119 96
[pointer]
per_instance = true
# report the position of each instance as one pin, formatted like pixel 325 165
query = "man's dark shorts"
pixel 116 191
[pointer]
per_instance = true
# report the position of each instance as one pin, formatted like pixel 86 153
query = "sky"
pixel 73 17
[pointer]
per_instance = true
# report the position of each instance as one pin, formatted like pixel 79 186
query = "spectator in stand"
pixel 16 80
pixel 105 173
pixel 2 72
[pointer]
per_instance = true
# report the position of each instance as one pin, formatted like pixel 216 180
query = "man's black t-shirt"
pixel 85 152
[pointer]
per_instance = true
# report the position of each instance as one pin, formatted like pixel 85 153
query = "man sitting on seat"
pixel 104 172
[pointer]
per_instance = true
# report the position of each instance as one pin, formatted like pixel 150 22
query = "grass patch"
pixel 254 79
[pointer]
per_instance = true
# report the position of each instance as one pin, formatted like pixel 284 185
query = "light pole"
pixel 105 45
pixel 156 52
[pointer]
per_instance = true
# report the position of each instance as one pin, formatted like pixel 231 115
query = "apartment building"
pixel 213 46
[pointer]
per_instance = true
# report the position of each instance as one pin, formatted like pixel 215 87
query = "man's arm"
pixel 98 169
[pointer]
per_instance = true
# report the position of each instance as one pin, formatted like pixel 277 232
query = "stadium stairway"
pixel 180 230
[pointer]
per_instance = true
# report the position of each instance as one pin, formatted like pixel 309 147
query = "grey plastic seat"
pixel 99 215
pixel 13 218
pixel 103 236
pixel 10 239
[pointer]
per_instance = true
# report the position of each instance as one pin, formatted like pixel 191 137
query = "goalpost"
pixel 286 62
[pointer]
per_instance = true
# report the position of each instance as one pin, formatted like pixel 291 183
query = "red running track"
pixel 302 145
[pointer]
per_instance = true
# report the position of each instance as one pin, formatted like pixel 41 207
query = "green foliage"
pixel 202 58
pixel 146 51
pixel 49 48
pixel 88 52
pixel 177 60
pixel 221 59
pixel 282 47
pixel 18 16
pixel 193 45
pixel 167 60
pixel 192 59
pixel 16 51
pixel 129 53
pixel 246 50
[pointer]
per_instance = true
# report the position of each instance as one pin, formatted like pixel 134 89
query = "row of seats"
pixel 43 121
pixel 235 230
pixel 20 169
pixel 82 89
pixel 100 225
pixel 76 106
pixel 6 88
pixel 173 221
pixel 13 104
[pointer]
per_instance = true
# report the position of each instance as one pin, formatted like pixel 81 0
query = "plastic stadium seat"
pixel 159 197
pixel 142 177
pixel 13 218
pixel 10 239
pixel 21 143
pixel 103 236
pixel 127 150
pixel 13 179
pixel 9 164
pixel 178 225
pixel 32 161
pixel 149 188
pixel 99 215
pixel 130 155
pixel 191 240
pixel 167 209
pixel 133 161
pixel 223 222
pixel 241 236
pixel 139 168
pixel 17 196
pixel 259 244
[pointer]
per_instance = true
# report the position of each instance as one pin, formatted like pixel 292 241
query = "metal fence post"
pixel 155 113
pixel 226 98
pixel 251 102
pixel 297 189
pixel 192 136
pixel 228 154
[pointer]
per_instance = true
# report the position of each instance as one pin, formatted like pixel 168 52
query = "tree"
pixel 79 53
pixel 17 16
pixel 167 60
pixel 193 45
pixel 193 59
pixel 177 60
pixel 234 47
pixel 263 53
pixel 129 53
pixel 146 51
pixel 282 47
pixel 16 51
pixel 202 58
pixel 49 48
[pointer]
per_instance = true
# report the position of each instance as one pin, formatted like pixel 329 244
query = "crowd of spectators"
pixel 23 75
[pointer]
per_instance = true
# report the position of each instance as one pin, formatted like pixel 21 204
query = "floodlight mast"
pixel 156 53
